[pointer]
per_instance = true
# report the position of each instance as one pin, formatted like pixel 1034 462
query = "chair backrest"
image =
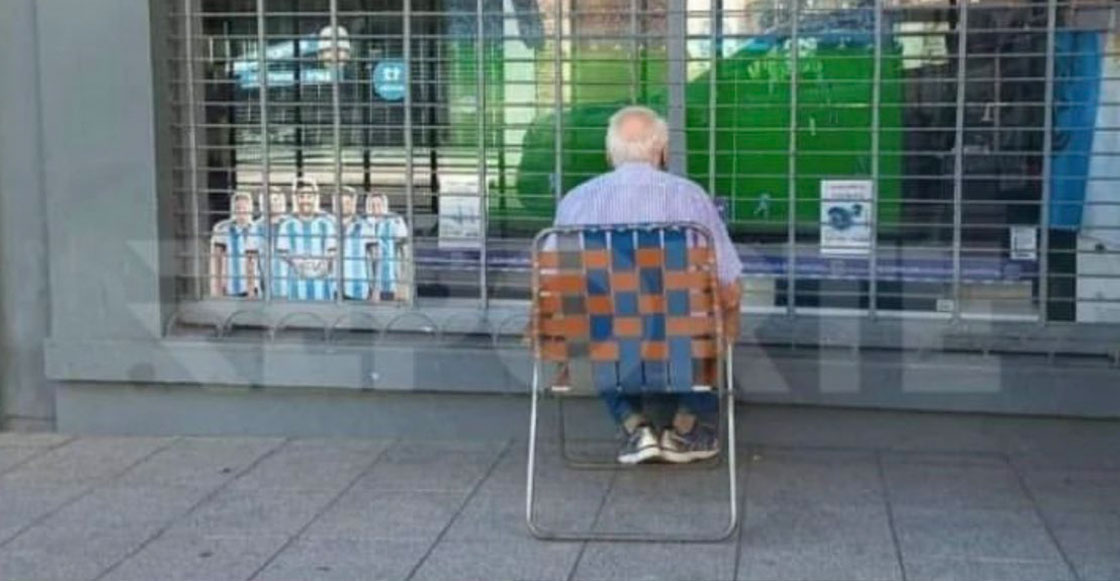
pixel 628 307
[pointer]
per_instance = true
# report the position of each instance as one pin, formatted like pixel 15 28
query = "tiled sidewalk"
pixel 828 494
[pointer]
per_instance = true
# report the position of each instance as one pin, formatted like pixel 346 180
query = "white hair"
pixel 240 195
pixel 645 145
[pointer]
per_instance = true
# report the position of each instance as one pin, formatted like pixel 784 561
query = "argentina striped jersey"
pixel 236 243
pixel 308 245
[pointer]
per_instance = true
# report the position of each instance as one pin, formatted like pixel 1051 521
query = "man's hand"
pixel 729 297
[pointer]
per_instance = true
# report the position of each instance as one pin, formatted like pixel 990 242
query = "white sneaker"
pixel 699 444
pixel 640 446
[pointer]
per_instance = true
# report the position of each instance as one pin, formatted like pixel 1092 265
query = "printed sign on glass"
pixel 847 213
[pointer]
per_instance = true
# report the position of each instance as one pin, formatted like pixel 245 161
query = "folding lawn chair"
pixel 635 309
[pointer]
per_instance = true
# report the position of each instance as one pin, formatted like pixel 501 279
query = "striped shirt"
pixel 389 230
pixel 358 235
pixel 236 243
pixel 309 245
pixel 637 193
pixel 280 272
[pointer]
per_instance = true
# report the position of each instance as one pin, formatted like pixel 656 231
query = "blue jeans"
pixel 705 406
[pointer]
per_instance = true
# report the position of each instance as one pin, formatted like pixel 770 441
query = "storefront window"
pixel 877 159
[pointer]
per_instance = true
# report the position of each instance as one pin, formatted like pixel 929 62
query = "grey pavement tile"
pixel 954 486
pixel 511 471
pixel 199 462
pixel 979 459
pixel 500 515
pixel 65 554
pixel 819 565
pixel 86 460
pixel 344 559
pixel 127 507
pixel 12 456
pixel 412 448
pixel 868 429
pixel 1074 489
pixel 633 513
pixel 674 483
pixel 815 477
pixel 1059 443
pixel 986 570
pixel 255 512
pixel 506 559
pixel 973 534
pixel 32 439
pixel 1091 540
pixel 656 562
pixel 25 503
pixel 388 514
pixel 319 464
pixel 198 558
pixel 789 541
pixel 434 470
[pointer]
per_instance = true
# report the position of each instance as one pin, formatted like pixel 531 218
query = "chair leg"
pixel 727 403
pixel 532 444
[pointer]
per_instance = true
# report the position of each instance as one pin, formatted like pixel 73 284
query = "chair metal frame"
pixel 722 387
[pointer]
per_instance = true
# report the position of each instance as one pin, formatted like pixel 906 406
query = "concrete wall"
pixel 26 399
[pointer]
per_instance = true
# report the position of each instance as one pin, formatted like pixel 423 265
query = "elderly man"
pixel 640 191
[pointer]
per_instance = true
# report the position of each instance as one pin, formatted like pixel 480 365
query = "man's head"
pixel 376 204
pixel 327 48
pixel 277 202
pixel 307 197
pixel 348 200
pixel 637 135
pixel 241 206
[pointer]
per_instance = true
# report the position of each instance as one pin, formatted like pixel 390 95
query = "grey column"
pixel 26 398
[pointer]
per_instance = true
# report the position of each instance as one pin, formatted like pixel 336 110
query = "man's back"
pixel 637 193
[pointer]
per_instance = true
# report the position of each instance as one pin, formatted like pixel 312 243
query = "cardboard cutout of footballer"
pixel 235 251
pixel 358 241
pixel 307 243
pixel 277 276
pixel 391 252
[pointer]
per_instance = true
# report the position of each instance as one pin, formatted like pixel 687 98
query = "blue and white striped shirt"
pixel 638 193
pixel 280 273
pixel 389 229
pixel 357 236
pixel 309 245
pixel 236 243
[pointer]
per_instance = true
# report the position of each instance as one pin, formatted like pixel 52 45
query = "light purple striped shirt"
pixel 637 193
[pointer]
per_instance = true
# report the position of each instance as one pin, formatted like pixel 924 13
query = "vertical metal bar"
pixel 958 162
pixel 409 167
pixel 266 157
pixel 480 115
pixel 336 123
pixel 876 123
pixel 791 224
pixel 634 52
pixel 1047 166
pixel 558 101
pixel 297 114
pixel 713 101
pixel 678 77
pixel 192 152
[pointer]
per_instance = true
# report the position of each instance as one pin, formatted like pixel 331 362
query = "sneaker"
pixel 699 444
pixel 640 446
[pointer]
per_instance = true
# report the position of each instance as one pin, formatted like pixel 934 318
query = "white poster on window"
pixel 460 213
pixel 847 213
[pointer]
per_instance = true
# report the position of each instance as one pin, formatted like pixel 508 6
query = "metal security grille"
pixel 902 158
